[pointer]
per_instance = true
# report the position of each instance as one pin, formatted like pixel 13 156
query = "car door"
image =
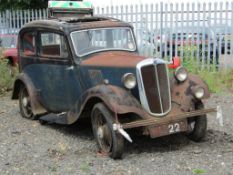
pixel 53 74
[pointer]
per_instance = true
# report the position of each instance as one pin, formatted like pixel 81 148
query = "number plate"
pixel 171 128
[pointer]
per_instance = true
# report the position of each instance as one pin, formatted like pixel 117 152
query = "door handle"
pixel 70 68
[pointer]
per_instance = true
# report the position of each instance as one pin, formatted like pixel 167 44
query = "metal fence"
pixel 201 31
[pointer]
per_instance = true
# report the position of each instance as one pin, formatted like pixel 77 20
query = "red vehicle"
pixel 10 52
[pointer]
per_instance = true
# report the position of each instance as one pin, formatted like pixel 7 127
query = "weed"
pixel 6 79
pixel 85 167
pixel 199 171
pixel 217 80
pixel 52 168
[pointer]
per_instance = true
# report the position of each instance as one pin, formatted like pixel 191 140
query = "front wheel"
pixel 109 141
pixel 25 103
pixel 197 125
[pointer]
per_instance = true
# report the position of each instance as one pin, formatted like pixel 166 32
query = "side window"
pixel 53 45
pixel 28 47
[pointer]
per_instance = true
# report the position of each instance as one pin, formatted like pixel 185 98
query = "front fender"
pixel 118 100
pixel 23 80
pixel 182 92
pixel 196 80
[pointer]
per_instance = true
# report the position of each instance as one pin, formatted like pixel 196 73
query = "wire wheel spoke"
pixel 109 142
pixel 25 103
pixel 103 133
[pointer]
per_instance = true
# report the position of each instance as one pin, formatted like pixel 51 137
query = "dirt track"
pixel 26 147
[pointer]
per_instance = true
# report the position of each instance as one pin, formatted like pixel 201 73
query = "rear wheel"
pixel 11 68
pixel 109 141
pixel 197 125
pixel 25 103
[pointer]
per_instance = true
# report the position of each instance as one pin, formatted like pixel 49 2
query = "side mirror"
pixel 175 63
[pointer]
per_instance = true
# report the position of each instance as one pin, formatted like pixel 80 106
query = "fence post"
pixel 7 20
pixel 161 28
pixel 231 46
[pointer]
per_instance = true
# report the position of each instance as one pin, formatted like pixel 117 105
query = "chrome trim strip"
pixel 141 88
pixel 158 86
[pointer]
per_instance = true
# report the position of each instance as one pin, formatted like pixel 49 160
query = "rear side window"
pixel 53 45
pixel 28 47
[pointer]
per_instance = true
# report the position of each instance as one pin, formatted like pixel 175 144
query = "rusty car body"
pixel 90 67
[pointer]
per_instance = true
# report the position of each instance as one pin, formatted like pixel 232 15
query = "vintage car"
pixel 90 67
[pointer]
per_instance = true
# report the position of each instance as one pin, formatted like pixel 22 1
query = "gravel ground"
pixel 26 147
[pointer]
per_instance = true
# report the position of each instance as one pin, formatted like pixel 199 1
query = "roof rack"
pixel 70 8
pixel 85 19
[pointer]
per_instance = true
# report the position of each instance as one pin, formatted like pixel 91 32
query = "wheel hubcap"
pixel 192 125
pixel 103 134
pixel 25 102
pixel 100 132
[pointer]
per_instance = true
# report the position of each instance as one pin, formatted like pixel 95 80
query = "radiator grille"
pixel 155 81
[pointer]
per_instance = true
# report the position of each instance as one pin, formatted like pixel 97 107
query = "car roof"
pixel 69 24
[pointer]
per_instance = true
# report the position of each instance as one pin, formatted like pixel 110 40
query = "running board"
pixel 55 118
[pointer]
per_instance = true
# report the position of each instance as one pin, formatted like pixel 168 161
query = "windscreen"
pixel 90 41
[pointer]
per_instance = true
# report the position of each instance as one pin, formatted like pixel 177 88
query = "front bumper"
pixel 157 127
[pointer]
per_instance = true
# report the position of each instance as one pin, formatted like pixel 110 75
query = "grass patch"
pixel 212 77
pixel 199 171
pixel 217 80
pixel 6 80
pixel 85 167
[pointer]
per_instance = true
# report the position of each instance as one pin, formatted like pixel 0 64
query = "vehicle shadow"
pixel 82 130
pixel 162 144
pixel 214 138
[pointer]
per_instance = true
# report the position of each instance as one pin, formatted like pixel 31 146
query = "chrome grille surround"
pixel 141 87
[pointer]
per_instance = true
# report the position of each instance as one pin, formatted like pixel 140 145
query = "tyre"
pixel 24 103
pixel 109 141
pixel 197 125
pixel 42 122
pixel 11 68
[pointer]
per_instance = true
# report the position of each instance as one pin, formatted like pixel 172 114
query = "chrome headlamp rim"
pixel 181 70
pixel 198 92
pixel 129 80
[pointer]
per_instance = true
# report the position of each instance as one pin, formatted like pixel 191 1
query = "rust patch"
pixel 182 92
pixel 113 59
pixel 96 76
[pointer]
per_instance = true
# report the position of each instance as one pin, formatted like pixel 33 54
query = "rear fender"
pixel 23 80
